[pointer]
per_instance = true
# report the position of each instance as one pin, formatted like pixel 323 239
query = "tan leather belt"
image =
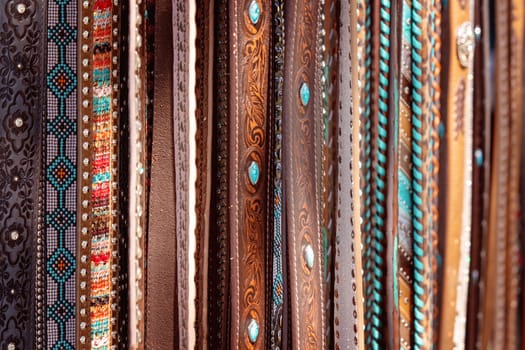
pixel 459 143
pixel 249 67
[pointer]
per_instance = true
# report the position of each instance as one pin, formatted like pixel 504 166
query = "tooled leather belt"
pixel 249 68
pixel 21 100
pixel 300 161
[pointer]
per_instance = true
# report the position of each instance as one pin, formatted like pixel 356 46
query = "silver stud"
pixel 465 42
pixel 21 8
pixel 308 254
pixel 19 122
pixel 14 235
pixel 11 346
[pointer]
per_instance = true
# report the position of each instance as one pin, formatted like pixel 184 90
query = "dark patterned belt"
pixel 22 95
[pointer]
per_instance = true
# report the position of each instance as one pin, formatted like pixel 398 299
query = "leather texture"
pixel 249 68
pixel 161 297
pixel 22 43
pixel 345 284
pixel 219 234
pixel 302 105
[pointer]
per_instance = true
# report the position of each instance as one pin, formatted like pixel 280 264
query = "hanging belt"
pixel 21 192
pixel 161 297
pixel 302 105
pixel 249 68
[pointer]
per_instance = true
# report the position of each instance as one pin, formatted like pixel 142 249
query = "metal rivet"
pixel 19 122
pixel 14 235
pixel 21 8
pixel 11 346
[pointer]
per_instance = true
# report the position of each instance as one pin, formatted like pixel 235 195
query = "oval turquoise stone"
pixel 254 172
pixel 309 256
pixel 253 331
pixel 478 154
pixel 254 11
pixel 304 92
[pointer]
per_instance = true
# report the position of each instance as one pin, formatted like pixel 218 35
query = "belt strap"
pixel 300 159
pixel 21 188
pixel 219 237
pixel 346 302
pixel 249 68
pixel 161 302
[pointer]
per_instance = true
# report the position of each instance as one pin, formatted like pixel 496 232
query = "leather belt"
pixel 300 161
pixel 203 116
pixel 185 170
pixel 345 275
pixel 481 171
pixel 500 283
pixel 161 309
pixel 276 237
pixel 219 237
pixel 329 39
pixel 138 170
pixel 459 170
pixel 23 29
pixel 249 67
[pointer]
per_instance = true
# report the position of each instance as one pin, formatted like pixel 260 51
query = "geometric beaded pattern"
pixel 60 174
pixel 101 201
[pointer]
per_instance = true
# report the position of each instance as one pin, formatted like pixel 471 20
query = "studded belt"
pixel 21 193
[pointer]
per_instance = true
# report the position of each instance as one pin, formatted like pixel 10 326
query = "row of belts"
pixel 499 324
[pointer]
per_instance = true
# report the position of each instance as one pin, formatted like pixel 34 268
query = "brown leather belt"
pixel 301 127
pixel 161 298
pixel 249 67
pixel 23 30
pixel 219 238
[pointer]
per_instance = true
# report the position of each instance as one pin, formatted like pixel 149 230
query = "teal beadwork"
pixel 253 331
pixel 304 93
pixel 254 172
pixel 254 11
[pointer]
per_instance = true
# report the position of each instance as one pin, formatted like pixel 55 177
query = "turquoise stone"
pixel 253 330
pixel 254 172
pixel 478 154
pixel 308 256
pixel 304 92
pixel 254 11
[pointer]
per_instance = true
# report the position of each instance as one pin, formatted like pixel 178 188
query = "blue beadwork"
pixel 304 92
pixel 254 11
pixel 254 172
pixel 478 154
pixel 253 331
